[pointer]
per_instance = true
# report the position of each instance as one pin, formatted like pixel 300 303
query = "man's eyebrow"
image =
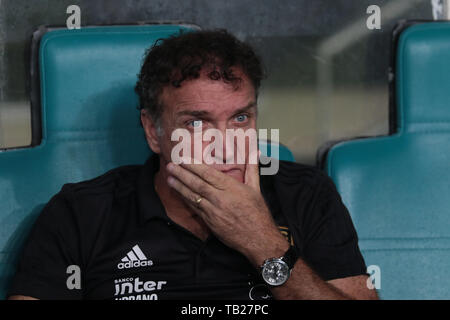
pixel 194 113
pixel 250 105
pixel 204 113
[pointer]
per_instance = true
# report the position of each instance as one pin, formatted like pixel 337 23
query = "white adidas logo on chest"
pixel 135 258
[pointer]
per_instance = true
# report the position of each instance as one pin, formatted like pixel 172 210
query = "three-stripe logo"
pixel 134 258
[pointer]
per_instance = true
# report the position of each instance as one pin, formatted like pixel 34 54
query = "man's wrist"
pixel 271 247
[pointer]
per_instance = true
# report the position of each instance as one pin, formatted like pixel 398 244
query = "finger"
pixel 212 176
pixel 252 173
pixel 191 198
pixel 188 178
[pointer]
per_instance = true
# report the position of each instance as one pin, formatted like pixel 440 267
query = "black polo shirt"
pixel 115 229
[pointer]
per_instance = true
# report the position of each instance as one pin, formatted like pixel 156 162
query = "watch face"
pixel 275 272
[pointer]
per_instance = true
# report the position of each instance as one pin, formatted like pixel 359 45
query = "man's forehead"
pixel 210 95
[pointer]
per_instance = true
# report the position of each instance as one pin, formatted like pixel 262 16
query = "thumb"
pixel 252 172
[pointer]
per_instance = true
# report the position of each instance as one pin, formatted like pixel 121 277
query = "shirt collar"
pixel 150 205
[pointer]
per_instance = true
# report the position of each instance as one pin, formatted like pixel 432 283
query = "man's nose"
pixel 227 147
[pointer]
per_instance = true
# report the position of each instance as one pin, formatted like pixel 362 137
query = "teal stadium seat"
pixel 85 121
pixel 397 187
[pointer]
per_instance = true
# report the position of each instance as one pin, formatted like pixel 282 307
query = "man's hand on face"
pixel 235 212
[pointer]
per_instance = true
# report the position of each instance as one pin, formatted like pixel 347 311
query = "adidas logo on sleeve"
pixel 134 259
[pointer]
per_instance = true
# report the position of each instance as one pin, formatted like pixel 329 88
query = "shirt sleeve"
pixel 331 244
pixel 51 256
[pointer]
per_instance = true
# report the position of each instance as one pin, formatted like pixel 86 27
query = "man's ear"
pixel 151 131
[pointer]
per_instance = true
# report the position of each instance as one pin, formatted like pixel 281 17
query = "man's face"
pixel 213 104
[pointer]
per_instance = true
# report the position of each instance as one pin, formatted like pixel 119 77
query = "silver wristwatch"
pixel 276 271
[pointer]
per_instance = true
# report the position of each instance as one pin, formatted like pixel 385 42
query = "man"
pixel 185 231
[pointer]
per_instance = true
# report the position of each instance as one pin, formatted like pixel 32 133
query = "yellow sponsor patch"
pixel 287 234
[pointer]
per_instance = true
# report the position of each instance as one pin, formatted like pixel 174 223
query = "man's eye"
pixel 195 123
pixel 241 118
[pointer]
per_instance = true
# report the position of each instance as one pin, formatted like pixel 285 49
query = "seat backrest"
pixel 90 123
pixel 86 113
pixel 397 187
